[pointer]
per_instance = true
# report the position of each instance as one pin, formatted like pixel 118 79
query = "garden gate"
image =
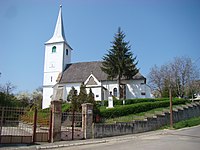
pixel 71 126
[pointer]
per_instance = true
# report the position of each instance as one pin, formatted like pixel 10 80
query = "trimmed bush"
pixel 136 108
pixel 135 101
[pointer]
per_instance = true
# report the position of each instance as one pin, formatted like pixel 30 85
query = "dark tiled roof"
pixel 79 72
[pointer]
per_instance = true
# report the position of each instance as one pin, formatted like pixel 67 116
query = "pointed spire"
pixel 59 34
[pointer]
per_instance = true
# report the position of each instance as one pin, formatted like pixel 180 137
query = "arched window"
pixel 66 51
pixel 53 49
pixel 115 92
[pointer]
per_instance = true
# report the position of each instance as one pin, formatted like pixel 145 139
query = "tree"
pixel 82 96
pixel 8 88
pixel 90 97
pixel 73 99
pixel 178 75
pixel 119 62
pixel 37 97
pixel 7 98
pixel 71 93
pixel 91 100
pixel 156 79
pixel 184 72
pixel 24 98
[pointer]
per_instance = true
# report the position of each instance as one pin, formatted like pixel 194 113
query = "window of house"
pixel 115 92
pixel 97 95
pixel 53 49
pixel 143 93
pixel 66 52
pixel 51 78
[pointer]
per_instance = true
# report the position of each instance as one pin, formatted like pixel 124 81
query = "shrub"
pixel 66 107
pixel 136 108
pixel 135 101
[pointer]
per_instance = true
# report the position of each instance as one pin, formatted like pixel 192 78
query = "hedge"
pixel 133 101
pixel 136 108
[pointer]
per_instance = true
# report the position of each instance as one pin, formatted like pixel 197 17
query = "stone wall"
pixel 150 123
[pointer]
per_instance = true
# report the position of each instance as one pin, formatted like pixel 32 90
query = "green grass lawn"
pixel 185 123
pixel 138 116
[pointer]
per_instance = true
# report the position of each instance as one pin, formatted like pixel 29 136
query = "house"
pixel 60 73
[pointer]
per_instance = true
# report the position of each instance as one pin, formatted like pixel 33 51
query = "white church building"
pixel 59 72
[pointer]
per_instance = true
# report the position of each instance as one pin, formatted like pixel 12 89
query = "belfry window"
pixel 53 49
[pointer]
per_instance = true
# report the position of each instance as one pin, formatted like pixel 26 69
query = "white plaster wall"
pixel 110 85
pixel 53 58
pixel 97 93
pixel 54 64
pixel 68 87
pixel 67 58
pixel 47 92
pixel 47 78
pixel 135 88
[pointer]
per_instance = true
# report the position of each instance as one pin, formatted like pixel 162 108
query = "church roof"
pixel 59 34
pixel 79 72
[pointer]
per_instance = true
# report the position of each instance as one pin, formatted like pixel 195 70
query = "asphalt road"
pixel 184 139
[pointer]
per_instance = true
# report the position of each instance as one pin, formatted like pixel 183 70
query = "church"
pixel 60 73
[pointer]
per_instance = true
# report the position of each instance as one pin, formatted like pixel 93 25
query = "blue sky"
pixel 158 31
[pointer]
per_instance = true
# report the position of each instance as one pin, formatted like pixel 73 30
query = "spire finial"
pixel 60 6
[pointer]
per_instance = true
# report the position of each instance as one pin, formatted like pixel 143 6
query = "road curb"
pixel 69 145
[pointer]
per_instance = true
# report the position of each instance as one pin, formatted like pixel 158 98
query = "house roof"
pixel 79 72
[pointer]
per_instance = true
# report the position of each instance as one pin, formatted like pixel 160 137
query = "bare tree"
pixel 178 75
pixel 156 79
pixel 184 72
pixel 8 88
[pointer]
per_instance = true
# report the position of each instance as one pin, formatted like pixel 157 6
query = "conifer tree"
pixel 90 98
pixel 82 97
pixel 73 98
pixel 119 62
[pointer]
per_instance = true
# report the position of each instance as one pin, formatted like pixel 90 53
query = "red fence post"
pixel 50 125
pixel 34 125
pixel 1 121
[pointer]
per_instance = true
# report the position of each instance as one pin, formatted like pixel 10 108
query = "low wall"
pixel 151 123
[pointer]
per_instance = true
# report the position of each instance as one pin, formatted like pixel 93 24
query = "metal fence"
pixel 71 126
pixel 23 125
pixel 13 125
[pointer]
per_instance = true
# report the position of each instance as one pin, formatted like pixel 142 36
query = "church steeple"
pixel 59 34
pixel 57 56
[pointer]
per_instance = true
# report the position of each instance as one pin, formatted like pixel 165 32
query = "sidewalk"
pixel 44 145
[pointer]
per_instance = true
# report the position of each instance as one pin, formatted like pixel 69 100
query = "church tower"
pixel 57 56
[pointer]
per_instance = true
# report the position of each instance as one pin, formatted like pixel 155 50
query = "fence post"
pixel 50 126
pixel 1 123
pixel 34 125
pixel 87 120
pixel 56 120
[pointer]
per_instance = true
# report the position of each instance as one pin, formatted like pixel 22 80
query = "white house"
pixel 58 70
